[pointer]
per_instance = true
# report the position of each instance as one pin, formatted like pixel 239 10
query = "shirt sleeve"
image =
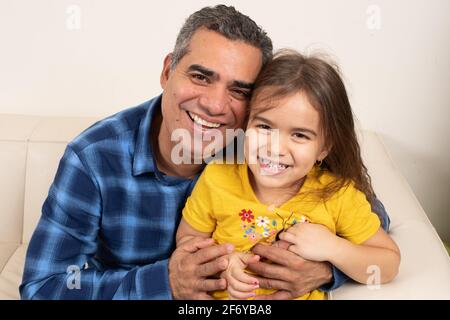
pixel 355 220
pixel 58 263
pixel 339 278
pixel 199 208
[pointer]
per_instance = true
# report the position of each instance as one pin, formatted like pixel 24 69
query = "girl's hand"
pixel 311 241
pixel 240 285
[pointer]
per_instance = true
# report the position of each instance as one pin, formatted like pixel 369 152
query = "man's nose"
pixel 215 101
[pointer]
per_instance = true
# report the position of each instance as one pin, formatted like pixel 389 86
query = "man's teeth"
pixel 272 165
pixel 203 122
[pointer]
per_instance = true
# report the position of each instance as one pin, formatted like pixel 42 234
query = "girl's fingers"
pixel 288 236
pixel 239 285
pixel 241 276
pixel 235 294
pixel 249 258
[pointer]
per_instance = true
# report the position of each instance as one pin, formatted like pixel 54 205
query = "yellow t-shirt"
pixel 223 203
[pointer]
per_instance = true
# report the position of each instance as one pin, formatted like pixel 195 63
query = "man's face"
pixel 208 91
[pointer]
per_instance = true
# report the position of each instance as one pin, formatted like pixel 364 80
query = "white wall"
pixel 395 57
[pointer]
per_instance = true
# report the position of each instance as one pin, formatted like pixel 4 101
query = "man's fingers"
pixel 196 244
pixel 211 253
pixel 212 268
pixel 279 295
pixel 274 254
pixel 211 285
pixel 268 270
pixel 273 284
pixel 282 244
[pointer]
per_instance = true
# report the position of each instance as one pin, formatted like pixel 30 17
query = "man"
pixel 108 225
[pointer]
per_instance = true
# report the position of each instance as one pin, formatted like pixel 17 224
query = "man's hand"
pixel 192 263
pixel 290 274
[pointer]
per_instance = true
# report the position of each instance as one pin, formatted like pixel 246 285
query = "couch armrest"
pixel 425 265
pixel 424 269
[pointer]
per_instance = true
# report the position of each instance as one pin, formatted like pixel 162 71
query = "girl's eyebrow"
pixel 257 117
pixel 260 118
pixel 305 130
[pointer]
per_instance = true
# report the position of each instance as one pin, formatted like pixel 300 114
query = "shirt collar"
pixel 143 158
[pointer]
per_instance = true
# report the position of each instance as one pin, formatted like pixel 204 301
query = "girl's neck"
pixel 274 196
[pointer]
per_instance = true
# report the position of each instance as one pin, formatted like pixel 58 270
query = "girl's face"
pixel 287 143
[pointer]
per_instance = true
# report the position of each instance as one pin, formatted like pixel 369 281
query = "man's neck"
pixel 162 146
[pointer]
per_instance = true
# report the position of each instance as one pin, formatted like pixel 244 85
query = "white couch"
pixel 30 149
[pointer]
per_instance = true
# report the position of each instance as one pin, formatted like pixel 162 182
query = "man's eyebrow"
pixel 243 84
pixel 203 70
pixel 211 73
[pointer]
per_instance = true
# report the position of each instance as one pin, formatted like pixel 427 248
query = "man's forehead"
pixel 219 54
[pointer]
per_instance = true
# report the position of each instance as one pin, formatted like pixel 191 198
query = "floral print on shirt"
pixel 262 228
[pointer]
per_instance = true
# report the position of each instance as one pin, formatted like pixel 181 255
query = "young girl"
pixel 308 187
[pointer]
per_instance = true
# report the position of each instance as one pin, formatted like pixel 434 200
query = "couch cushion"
pixel 42 163
pixel 11 275
pixel 12 178
pixel 17 127
pixel 388 183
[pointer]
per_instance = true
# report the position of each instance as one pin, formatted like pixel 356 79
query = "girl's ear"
pixel 165 71
pixel 323 154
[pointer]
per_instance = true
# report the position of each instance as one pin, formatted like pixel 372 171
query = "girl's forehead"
pixel 296 107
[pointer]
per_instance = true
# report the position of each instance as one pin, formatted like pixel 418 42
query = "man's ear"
pixel 165 73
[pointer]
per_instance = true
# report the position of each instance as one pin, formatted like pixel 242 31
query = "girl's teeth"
pixel 273 165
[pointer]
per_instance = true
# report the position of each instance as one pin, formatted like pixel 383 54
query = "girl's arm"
pixel 379 251
pixel 316 242
pixel 185 233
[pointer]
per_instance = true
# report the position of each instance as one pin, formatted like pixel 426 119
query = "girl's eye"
pixel 300 136
pixel 263 126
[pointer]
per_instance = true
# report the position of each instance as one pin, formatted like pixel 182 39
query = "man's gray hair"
pixel 227 21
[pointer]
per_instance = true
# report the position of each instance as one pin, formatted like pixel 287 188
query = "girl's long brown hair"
pixel 291 72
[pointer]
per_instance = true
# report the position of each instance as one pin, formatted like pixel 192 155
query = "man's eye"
pixel 199 77
pixel 241 94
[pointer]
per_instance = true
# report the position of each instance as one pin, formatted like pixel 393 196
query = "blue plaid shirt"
pixel 108 224
pixel 108 206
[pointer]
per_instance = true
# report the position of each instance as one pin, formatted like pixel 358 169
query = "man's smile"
pixel 200 121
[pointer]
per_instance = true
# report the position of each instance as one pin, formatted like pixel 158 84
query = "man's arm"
pixel 65 240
